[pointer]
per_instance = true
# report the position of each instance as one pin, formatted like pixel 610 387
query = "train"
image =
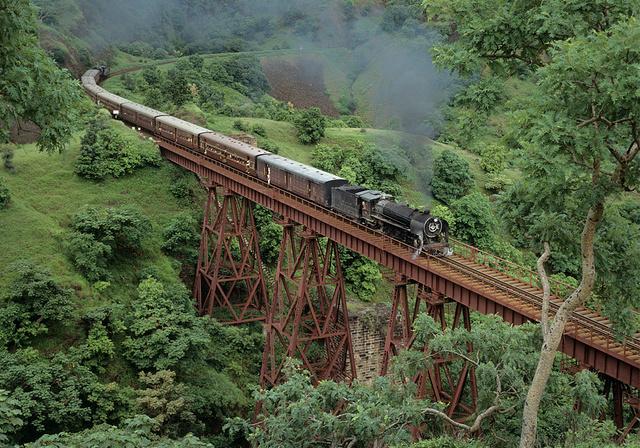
pixel 372 208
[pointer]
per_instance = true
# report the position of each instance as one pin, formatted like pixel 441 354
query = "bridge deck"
pixel 589 337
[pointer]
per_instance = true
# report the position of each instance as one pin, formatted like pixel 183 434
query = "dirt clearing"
pixel 299 81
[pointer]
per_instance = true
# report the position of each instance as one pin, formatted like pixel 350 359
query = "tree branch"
pixel 614 152
pixel 546 289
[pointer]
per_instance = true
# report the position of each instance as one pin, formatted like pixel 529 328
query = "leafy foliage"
pixel 164 401
pixel 510 37
pixel 361 164
pixel 100 236
pixel 475 222
pixel 270 235
pixel 5 195
pixel 32 87
pixel 310 126
pixel 105 152
pixel 57 394
pixel 10 414
pixel 571 159
pixel 162 329
pixel 361 274
pixel 181 238
pixel 33 302
pixel 482 95
pixel 451 177
pixel 297 414
pixel 493 158
pixel 135 432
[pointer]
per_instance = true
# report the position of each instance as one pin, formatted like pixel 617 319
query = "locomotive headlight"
pixel 433 227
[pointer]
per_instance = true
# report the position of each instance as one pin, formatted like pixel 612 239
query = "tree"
pixel 164 401
pixel 162 328
pixel 32 87
pixel 99 236
pixel 105 152
pixel 510 36
pixel 592 129
pixel 152 76
pixel 10 414
pixel 380 414
pixel 182 238
pixel 310 126
pixel 451 177
pixel 33 302
pixel 177 87
pixel 475 222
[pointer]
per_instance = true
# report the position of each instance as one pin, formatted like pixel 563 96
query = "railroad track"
pixel 582 322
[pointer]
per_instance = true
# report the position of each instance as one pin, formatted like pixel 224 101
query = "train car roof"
pixel 182 125
pixel 141 108
pixel 300 169
pixel 108 96
pixel 241 147
pixel 94 88
pixel 91 73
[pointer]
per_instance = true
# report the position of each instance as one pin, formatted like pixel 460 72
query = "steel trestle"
pixel 229 281
pixel 308 317
pixel 438 382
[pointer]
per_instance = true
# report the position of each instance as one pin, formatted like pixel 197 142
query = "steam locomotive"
pixel 372 208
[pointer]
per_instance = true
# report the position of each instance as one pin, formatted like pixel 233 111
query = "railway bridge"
pixel 307 317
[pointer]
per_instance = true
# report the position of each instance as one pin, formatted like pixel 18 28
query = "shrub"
pixel 493 158
pixel 462 125
pixel 451 177
pixel 310 126
pixel 7 160
pixel 475 222
pixel 444 212
pixel 5 195
pixel 100 235
pixel 483 95
pixel 353 121
pixel 360 274
pixel 104 152
pixel 162 327
pixel 259 130
pixel 181 238
pixel 269 146
pixel 394 17
pixel 241 126
pixel 34 300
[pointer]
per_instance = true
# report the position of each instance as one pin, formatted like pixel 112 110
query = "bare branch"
pixel 584 123
pixel 614 152
pixel 546 289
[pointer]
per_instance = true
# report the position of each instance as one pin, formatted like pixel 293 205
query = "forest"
pixel 516 122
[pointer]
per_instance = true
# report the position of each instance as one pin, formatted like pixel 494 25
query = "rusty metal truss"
pixel 441 381
pixel 308 318
pixel 465 278
pixel 229 281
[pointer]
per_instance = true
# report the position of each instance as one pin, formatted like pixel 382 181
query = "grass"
pixel 45 196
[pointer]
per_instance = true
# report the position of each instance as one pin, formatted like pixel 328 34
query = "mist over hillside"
pixel 389 68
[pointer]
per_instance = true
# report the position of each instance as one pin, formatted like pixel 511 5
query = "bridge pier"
pixel 229 281
pixel 308 318
pixel 438 382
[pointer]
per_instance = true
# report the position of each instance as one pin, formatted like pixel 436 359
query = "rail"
pixel 507 285
pixel 467 260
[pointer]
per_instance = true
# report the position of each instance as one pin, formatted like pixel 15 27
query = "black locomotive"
pixel 372 208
